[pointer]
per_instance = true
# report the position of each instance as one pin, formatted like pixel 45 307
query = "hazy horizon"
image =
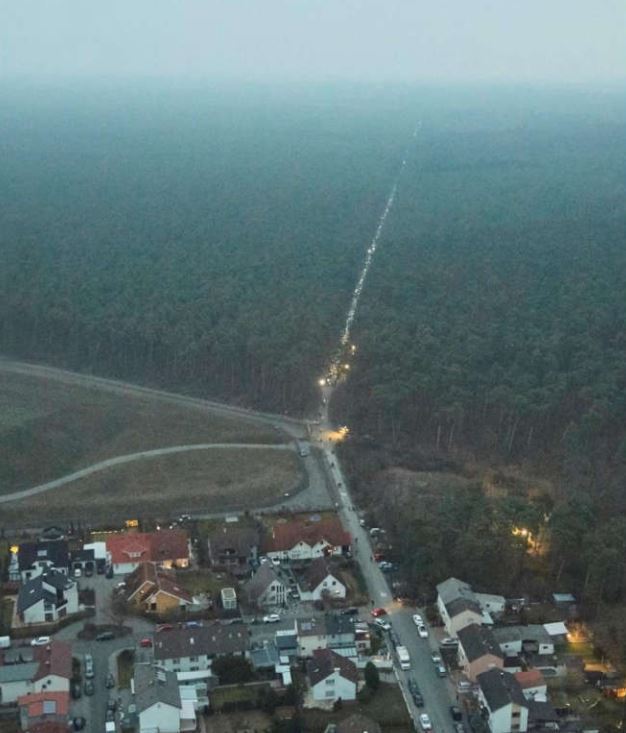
pixel 452 42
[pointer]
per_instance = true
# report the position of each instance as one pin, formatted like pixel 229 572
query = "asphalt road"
pixel 437 692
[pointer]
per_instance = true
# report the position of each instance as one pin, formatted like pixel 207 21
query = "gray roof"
pixel 155 685
pixel 286 642
pixel 18 654
pixel 18 672
pixel 477 641
pixel 338 624
pixel 459 605
pixel 233 541
pixel 53 551
pixel 457 596
pixel 265 657
pixel 35 590
pixel 261 580
pixel 506 634
pixel 214 640
pixel 324 663
pixel 500 688
pixel 317 571
pixel 315 626
pixel 541 712
pixel 532 632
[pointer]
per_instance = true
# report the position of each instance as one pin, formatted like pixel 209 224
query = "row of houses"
pixel 506 664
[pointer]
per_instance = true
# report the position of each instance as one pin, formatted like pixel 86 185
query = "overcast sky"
pixel 425 40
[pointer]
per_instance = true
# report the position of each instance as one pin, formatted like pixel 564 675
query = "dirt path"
pixel 120 460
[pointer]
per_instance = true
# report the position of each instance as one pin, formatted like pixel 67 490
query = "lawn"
pixel 202 581
pixel 210 480
pixel 49 427
pixel 386 707
pixel 125 668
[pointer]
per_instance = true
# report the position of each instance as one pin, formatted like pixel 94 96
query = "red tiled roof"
pixel 35 703
pixel 137 547
pixel 168 585
pixel 54 659
pixel 530 678
pixel 287 534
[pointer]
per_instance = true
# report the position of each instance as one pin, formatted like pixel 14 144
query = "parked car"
pixel 164 627
pixel 422 631
pixel 78 723
pixel 109 572
pixel 105 636
pixel 77 572
pixel 90 687
pixel 436 658
pixel 376 612
pixel 418 620
pixel 271 618
pixel 383 624
pixel 146 642
pixel 41 641
pixel 110 681
pixel 425 723
pixel 449 641
pixel 418 699
pixel 441 670
pixel 89 671
pixel 459 727
pixel 412 685
pixel 350 612
pixel 88 571
pixel 456 713
pixel 76 690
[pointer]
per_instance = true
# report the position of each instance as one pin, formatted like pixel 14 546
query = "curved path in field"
pixel 129 458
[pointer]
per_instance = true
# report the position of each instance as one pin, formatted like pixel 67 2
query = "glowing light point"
pixel 322 382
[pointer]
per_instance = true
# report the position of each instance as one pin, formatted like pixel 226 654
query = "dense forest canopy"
pixel 209 240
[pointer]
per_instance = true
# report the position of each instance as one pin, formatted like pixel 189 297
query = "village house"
pixel 318 581
pixel 478 651
pixel 265 589
pixel 501 698
pixel 331 677
pixel 46 598
pixel 155 591
pixel 43 707
pixel 460 606
pixel 157 700
pixel 29 670
pixel 193 650
pixel 307 539
pixel 334 632
pixel 234 548
pixel 35 558
pixel 167 548
pixel 531 639
pixel 533 684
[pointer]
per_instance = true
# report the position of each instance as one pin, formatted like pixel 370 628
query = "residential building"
pixel 460 606
pixel 286 641
pixel 43 707
pixel 478 651
pixel 362 638
pixel 531 639
pixel 334 632
pixel 318 581
pixel 83 560
pixel 234 548
pixel 157 699
pixel 167 548
pixel 229 599
pixel 533 685
pixel 193 650
pixel 47 597
pixel 457 605
pixel 331 677
pixel 502 699
pixel 265 588
pixel 543 717
pixel 35 558
pixel 30 670
pixel 156 591
pixel 307 538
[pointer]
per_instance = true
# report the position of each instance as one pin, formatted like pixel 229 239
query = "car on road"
pixel 76 690
pixel 422 631
pixel 110 681
pixel 377 612
pixel 456 713
pixel 109 572
pixel 436 658
pixel 105 636
pixel 418 620
pixel 146 642
pixel 350 612
pixel 425 723
pixel 271 618
pixel 78 723
pixel 164 627
pixel 459 727
pixel 40 641
pixel 90 687
pixel 418 699
pixel 89 672
pixel 383 624
pixel 441 670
